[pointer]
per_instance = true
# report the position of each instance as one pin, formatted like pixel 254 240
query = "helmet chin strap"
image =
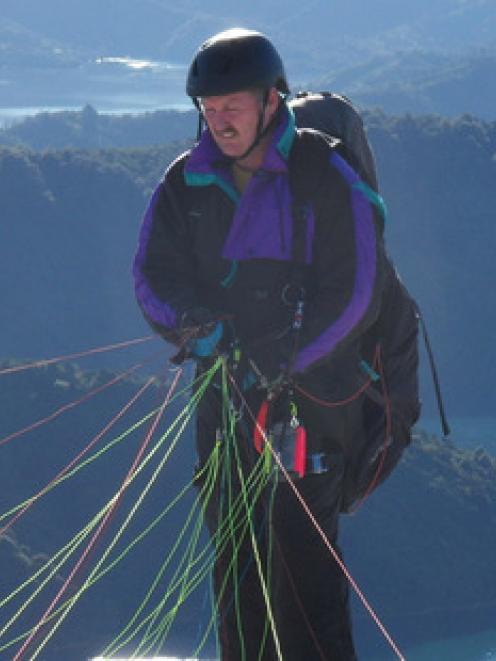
pixel 201 121
pixel 261 131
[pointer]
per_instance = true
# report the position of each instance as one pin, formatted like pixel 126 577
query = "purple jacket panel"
pixel 163 268
pixel 196 220
pixel 365 276
pixel 154 308
pixel 262 224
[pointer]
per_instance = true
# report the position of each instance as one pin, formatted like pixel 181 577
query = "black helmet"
pixel 235 60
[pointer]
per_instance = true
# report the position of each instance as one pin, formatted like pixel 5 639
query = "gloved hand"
pixel 205 346
pixel 202 331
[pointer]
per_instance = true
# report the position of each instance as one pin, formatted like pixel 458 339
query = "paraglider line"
pixel 70 405
pixel 319 529
pixel 81 354
pixel 349 399
pixel 103 523
pixel 76 459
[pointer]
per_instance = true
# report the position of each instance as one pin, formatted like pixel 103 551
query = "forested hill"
pixel 70 220
pixel 87 129
pixel 421 548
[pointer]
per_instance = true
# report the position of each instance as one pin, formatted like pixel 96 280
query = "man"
pixel 225 259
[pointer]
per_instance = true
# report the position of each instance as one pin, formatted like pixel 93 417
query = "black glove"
pixel 197 322
pixel 200 332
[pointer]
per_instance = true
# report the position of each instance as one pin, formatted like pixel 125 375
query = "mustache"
pixel 229 132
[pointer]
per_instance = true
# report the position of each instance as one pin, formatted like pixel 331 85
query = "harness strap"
pixel 435 377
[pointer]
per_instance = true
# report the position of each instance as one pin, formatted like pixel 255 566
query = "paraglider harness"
pixel 287 438
pixel 310 155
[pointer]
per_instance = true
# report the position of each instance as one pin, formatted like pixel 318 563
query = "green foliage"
pixel 87 129
pixel 77 207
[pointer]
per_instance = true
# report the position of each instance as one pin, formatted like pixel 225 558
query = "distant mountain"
pixel 382 56
pixel 24 47
pixel 421 82
pixel 411 547
pixel 323 33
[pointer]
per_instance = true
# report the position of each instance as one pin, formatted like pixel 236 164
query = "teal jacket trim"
pixel 286 140
pixel 205 346
pixel 372 197
pixel 229 279
pixel 200 179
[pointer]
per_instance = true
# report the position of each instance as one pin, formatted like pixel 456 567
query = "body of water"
pixel 109 84
pixel 477 647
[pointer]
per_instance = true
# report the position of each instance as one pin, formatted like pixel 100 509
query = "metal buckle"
pixel 291 294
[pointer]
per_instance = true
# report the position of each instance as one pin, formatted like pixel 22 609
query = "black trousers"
pixel 266 532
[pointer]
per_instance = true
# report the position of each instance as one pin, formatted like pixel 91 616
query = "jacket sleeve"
pixel 163 268
pixel 347 265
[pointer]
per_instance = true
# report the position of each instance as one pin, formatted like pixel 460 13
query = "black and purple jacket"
pixel 204 244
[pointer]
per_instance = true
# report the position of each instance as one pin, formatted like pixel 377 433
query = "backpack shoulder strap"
pixel 308 166
pixel 335 115
pixel 308 163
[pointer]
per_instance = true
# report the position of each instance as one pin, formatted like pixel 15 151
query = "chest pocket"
pixel 209 218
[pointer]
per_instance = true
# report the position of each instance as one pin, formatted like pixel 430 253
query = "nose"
pixel 218 121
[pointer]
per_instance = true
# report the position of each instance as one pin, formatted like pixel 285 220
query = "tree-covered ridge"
pixel 72 220
pixel 87 129
pixel 421 546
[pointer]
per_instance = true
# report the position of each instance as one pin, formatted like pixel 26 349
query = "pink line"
pixel 70 405
pixel 76 459
pixel 81 354
pixel 322 534
pixel 103 523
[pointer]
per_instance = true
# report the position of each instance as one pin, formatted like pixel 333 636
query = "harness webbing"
pixel 435 377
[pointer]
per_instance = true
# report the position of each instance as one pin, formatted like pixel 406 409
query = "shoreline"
pixel 10 116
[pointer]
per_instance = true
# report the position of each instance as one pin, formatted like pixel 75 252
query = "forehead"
pixel 236 98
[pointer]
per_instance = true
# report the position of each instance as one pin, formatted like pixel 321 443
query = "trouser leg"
pixel 243 629
pixel 310 590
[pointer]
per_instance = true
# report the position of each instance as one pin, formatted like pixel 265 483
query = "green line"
pixel 241 528
pixel 256 553
pixel 118 439
pixel 76 541
pixel 130 515
pixel 97 517
pixel 192 545
pixel 196 563
pixel 113 647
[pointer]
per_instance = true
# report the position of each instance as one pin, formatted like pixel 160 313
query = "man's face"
pixel 233 120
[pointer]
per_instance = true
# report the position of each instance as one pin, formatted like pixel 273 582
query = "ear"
pixel 273 100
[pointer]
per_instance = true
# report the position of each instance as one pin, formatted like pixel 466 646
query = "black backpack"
pixel 390 347
pixel 335 115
